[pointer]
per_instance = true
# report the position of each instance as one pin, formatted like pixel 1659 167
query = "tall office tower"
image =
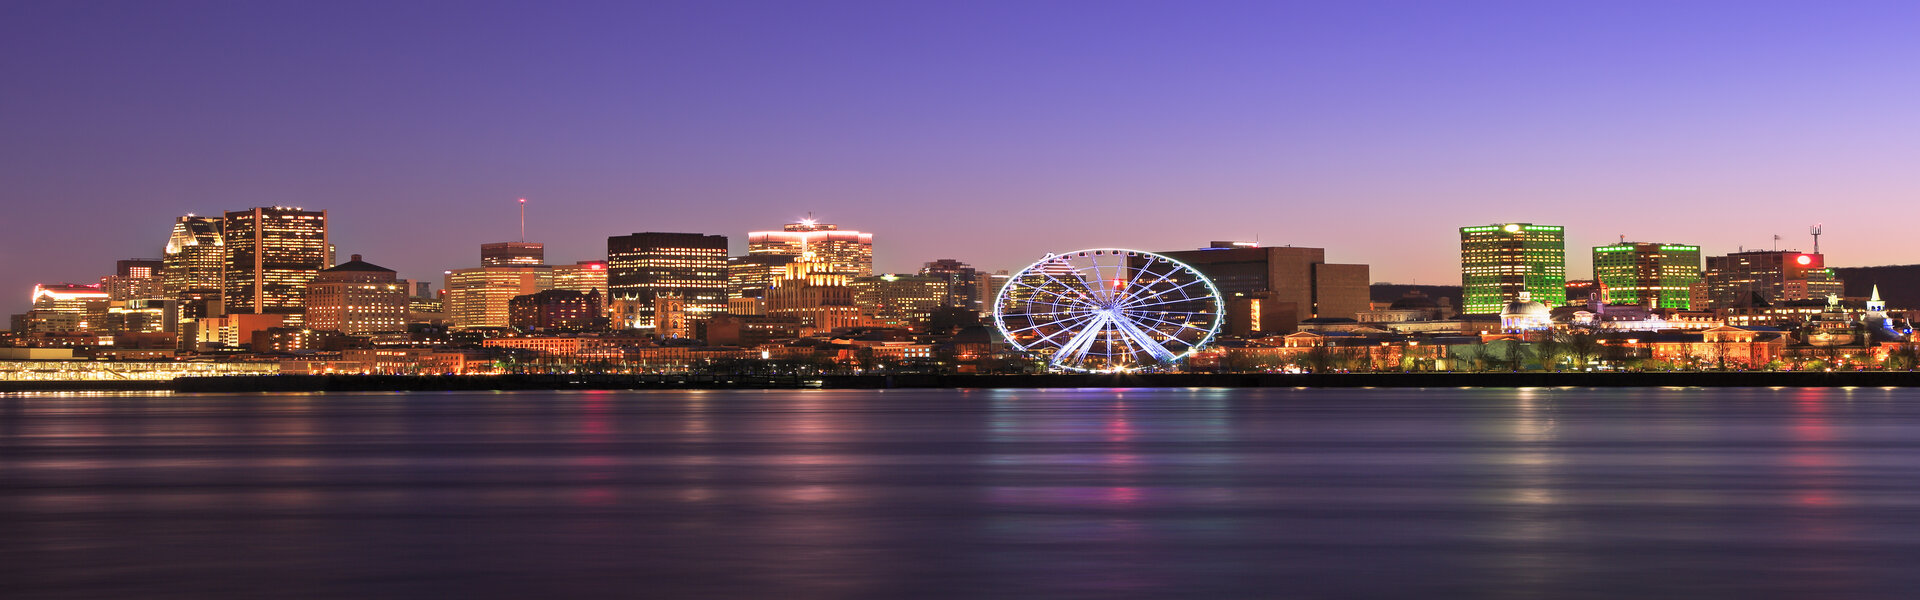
pixel 356 298
pixel 1270 290
pixel 513 254
pixel 1497 262
pixel 134 279
pixel 584 276
pixel 482 297
pixel 838 251
pixel 967 287
pixel 644 265
pixel 816 296
pixel 271 255
pixel 191 270
pixel 900 299
pixel 1737 280
pixel 749 276
pixel 1647 274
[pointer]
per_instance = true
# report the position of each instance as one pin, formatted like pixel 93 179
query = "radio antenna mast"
pixel 523 219
pixel 1815 230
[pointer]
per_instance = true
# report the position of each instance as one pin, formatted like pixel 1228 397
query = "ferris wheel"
pixel 1109 310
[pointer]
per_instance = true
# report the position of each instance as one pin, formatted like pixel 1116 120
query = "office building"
pixel 587 276
pixel 191 269
pixel 899 300
pixel 557 310
pixel 1764 277
pixel 838 251
pixel 134 279
pixel 749 276
pixel 513 254
pixel 271 255
pixel 356 298
pixel 1269 290
pixel 967 287
pixel 642 266
pixel 817 297
pixel 1497 262
pixel 1647 274
pixel 482 297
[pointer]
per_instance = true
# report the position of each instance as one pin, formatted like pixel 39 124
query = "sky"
pixel 990 132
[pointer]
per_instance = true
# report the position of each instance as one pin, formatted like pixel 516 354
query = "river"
pixel 1087 493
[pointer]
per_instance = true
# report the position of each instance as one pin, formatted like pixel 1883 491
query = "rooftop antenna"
pixel 1815 230
pixel 523 219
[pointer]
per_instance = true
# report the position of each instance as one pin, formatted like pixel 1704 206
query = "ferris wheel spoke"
pixel 1076 348
pixel 1055 293
pixel 1062 322
pixel 1165 292
pixel 1177 324
pixel 1064 285
pixel 1146 342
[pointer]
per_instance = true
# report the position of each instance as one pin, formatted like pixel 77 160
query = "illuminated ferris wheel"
pixel 1109 310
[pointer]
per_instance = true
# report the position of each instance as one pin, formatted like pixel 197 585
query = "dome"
pixel 1526 308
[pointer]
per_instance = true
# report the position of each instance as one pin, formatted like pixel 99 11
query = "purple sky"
pixel 987 132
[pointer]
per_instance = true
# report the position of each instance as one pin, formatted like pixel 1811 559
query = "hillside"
pixel 1388 292
pixel 1899 284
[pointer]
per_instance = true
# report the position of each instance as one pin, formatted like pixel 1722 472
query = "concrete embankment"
pixel 1170 380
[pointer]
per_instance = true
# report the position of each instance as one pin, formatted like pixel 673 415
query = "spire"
pixel 1876 293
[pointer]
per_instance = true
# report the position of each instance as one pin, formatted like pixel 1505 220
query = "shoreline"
pixel 344 383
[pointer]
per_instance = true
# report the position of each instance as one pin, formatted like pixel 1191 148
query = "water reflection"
pixel 962 494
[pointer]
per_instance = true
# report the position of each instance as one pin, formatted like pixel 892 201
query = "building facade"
pixel 1497 262
pixel 480 297
pixel 839 251
pixel 191 270
pixel 1648 274
pixel 900 299
pixel 513 254
pixel 587 276
pixel 1270 290
pixel 356 298
pixel 967 287
pixel 271 255
pixel 556 310
pixel 819 299
pixel 749 276
pixel 1770 276
pixel 642 266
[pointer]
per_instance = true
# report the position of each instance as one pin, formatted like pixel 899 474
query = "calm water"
pixel 1791 493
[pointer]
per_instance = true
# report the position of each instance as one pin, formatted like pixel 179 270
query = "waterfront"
pixel 1563 493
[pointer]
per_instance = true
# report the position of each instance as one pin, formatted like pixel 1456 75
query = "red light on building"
pixel 1804 260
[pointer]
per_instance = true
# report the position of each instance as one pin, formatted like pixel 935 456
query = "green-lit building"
pixel 1648 274
pixel 1498 262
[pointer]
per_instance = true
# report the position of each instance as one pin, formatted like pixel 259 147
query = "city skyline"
pixel 993 134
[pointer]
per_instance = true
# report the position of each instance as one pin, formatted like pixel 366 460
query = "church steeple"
pixel 1874 304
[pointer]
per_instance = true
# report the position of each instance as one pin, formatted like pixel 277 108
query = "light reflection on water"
pixel 1538 492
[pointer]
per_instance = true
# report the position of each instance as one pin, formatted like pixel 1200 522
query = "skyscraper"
pixel 191 270
pixel 1647 274
pixel 967 287
pixel 1734 280
pixel 513 254
pixel 835 250
pixel 271 255
pixel 644 265
pixel 482 297
pixel 1497 262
